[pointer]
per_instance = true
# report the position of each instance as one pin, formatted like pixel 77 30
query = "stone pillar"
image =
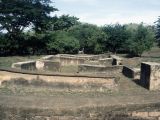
pixel 150 75
pixel 116 60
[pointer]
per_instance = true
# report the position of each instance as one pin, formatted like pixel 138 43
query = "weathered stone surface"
pixel 28 65
pixel 63 81
pixel 131 72
pixel 52 66
pixel 154 114
pixel 150 75
pixel 106 61
pixel 48 65
pixel 39 64
pixel 100 68
pixel 116 60
pixel 140 114
pixel 48 57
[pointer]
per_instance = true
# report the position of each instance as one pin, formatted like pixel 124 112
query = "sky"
pixel 101 12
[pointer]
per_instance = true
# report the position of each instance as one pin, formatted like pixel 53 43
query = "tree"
pixel 117 36
pixel 63 22
pixel 62 42
pixel 16 15
pixel 90 37
pixel 140 40
pixel 158 30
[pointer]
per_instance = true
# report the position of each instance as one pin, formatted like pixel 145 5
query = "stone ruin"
pixel 148 75
pixel 84 63
pixel 88 70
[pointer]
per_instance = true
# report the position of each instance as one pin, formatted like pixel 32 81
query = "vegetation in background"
pixel 65 34
pixel 141 39
pixel 158 31
pixel 90 37
pixel 117 36
pixel 62 42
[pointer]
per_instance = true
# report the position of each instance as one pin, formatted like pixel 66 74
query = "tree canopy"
pixel 54 34
pixel 158 31
pixel 16 15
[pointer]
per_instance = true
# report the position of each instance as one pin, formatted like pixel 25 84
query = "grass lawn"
pixel 7 61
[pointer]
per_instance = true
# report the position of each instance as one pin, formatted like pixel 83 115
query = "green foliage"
pixel 65 34
pixel 15 15
pixel 90 37
pixel 141 39
pixel 63 22
pixel 158 31
pixel 62 42
pixel 117 36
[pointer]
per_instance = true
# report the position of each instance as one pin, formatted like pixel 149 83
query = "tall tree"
pixel 16 15
pixel 63 22
pixel 117 37
pixel 158 30
pixel 91 37
pixel 140 40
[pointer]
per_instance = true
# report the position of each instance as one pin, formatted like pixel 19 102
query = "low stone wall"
pixel 48 57
pixel 28 65
pixel 131 72
pixel 106 61
pixel 71 61
pixel 71 80
pixel 38 65
pixel 152 115
pixel 92 62
pixel 150 75
pixel 99 68
pixel 48 65
pixel 68 60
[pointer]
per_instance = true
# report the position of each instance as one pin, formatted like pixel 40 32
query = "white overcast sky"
pixel 102 12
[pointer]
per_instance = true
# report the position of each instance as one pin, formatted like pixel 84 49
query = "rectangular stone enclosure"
pixel 150 75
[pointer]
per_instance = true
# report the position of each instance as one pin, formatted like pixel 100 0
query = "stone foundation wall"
pixel 131 72
pixel 41 65
pixel 75 80
pixel 28 65
pixel 116 60
pixel 150 75
pixel 68 60
pixel 152 115
pixel 106 61
pixel 48 65
pixel 99 68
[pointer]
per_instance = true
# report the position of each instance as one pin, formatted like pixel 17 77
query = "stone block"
pixel 100 68
pixel 150 75
pixel 48 65
pixel 116 60
pixel 28 65
pixel 132 72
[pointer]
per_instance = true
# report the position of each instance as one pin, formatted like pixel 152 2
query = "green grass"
pixel 7 61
